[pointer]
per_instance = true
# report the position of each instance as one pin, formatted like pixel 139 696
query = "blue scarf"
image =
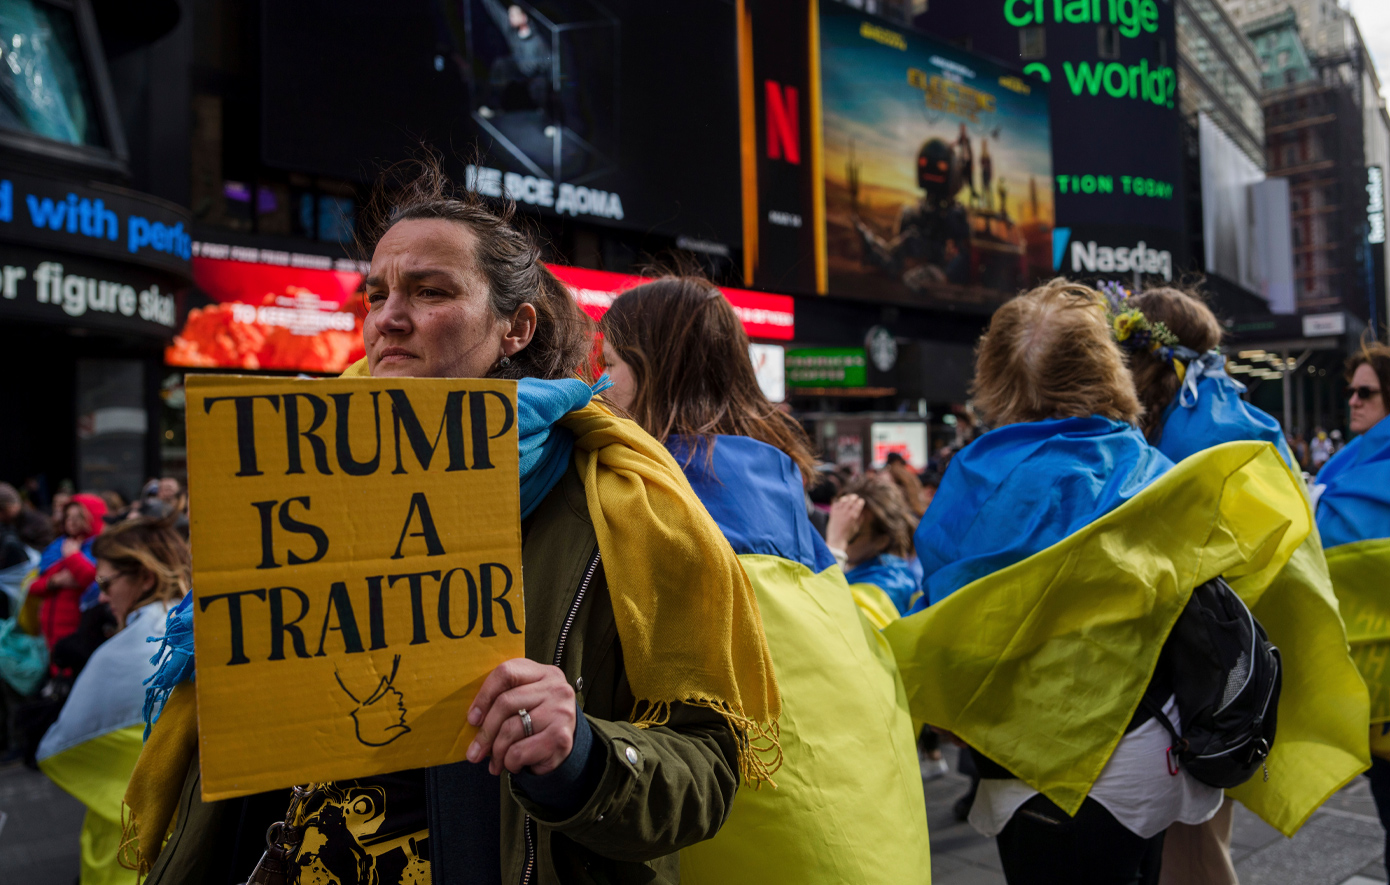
pixel 1208 411
pixel 1022 488
pixel 900 578
pixel 544 453
pixel 754 493
pixel 1355 500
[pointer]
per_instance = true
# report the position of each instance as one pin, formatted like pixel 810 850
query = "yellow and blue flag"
pixel 899 579
pixel 1353 516
pixel 1320 741
pixel 92 748
pixel 1076 547
pixel 848 804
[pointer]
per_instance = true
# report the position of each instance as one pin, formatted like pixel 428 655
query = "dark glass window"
pixel 1107 41
pixel 1032 42
pixel 45 88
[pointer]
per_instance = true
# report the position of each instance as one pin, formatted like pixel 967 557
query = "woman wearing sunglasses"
pixel 1353 513
pixel 143 569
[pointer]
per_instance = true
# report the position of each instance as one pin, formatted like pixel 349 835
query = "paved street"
pixel 39 824
pixel 1341 845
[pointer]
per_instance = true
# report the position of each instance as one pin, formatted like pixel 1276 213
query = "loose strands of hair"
pixel 508 257
pixel 1048 354
pixel 151 546
pixel 1376 355
pixel 689 357
pixel 1185 313
pixel 886 509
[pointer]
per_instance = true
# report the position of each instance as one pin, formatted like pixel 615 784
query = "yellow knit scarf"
pixel 686 613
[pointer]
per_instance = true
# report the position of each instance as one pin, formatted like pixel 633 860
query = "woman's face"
pixel 624 390
pixel 75 521
pixel 122 590
pixel 429 314
pixel 1366 413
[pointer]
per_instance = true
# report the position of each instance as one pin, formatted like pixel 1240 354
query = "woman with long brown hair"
pixel 143 569
pixel 849 804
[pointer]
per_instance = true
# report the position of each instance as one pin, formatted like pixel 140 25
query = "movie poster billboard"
pixel 937 168
pixel 1117 148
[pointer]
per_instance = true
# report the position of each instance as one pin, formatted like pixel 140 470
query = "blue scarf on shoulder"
pixel 545 452
pixel 1208 411
pixel 755 495
pixel 1355 501
pixel 1021 488
pixel 900 578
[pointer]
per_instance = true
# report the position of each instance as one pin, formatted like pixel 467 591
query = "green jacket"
pixel 662 789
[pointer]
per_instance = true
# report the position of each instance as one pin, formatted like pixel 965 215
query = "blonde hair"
pixel 153 547
pixel 1048 354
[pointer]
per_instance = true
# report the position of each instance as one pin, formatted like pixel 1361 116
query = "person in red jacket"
pixel 67 569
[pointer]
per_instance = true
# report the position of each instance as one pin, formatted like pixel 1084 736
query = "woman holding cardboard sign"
pixel 621 737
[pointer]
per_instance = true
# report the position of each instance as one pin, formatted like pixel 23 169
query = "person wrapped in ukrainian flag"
pixel 143 568
pixel 1059 551
pixel 1190 405
pixel 848 805
pixel 1353 515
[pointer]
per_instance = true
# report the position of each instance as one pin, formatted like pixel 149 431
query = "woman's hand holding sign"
pixel 540 690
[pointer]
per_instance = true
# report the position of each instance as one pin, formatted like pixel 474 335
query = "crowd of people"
pixel 742 664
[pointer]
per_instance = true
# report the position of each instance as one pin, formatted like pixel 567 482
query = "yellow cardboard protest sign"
pixel 356 571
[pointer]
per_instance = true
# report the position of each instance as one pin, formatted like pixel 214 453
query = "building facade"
pixel 1315 65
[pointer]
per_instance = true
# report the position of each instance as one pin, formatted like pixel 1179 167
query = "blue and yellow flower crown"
pixel 1134 331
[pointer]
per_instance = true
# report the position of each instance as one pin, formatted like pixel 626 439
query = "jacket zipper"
pixel 529 827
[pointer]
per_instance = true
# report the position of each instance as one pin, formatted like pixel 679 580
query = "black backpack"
pixel 1226 676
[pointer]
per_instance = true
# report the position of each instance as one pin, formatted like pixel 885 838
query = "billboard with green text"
pixel 1116 128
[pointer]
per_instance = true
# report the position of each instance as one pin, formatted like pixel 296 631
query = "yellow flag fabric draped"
pixel 96 772
pixel 1321 741
pixel 874 604
pixel 687 616
pixel 1041 665
pixel 847 807
pixel 153 795
pixel 1360 572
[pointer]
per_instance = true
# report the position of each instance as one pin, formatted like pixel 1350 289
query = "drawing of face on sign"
pixel 379 719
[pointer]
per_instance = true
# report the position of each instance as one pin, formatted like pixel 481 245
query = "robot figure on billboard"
pixel 526 69
pixel 932 242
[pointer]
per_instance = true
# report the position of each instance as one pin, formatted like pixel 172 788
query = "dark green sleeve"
pixel 662 788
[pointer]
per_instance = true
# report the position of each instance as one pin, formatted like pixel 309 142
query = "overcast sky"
pixel 1373 18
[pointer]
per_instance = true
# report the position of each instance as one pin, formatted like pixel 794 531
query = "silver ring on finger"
pixel 525 721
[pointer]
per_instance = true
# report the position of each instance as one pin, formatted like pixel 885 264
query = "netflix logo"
pixel 783 129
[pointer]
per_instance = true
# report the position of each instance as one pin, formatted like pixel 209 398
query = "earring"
pixel 505 362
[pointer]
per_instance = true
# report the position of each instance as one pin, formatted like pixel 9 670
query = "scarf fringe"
pixel 174 657
pixel 759 743
pixel 128 853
